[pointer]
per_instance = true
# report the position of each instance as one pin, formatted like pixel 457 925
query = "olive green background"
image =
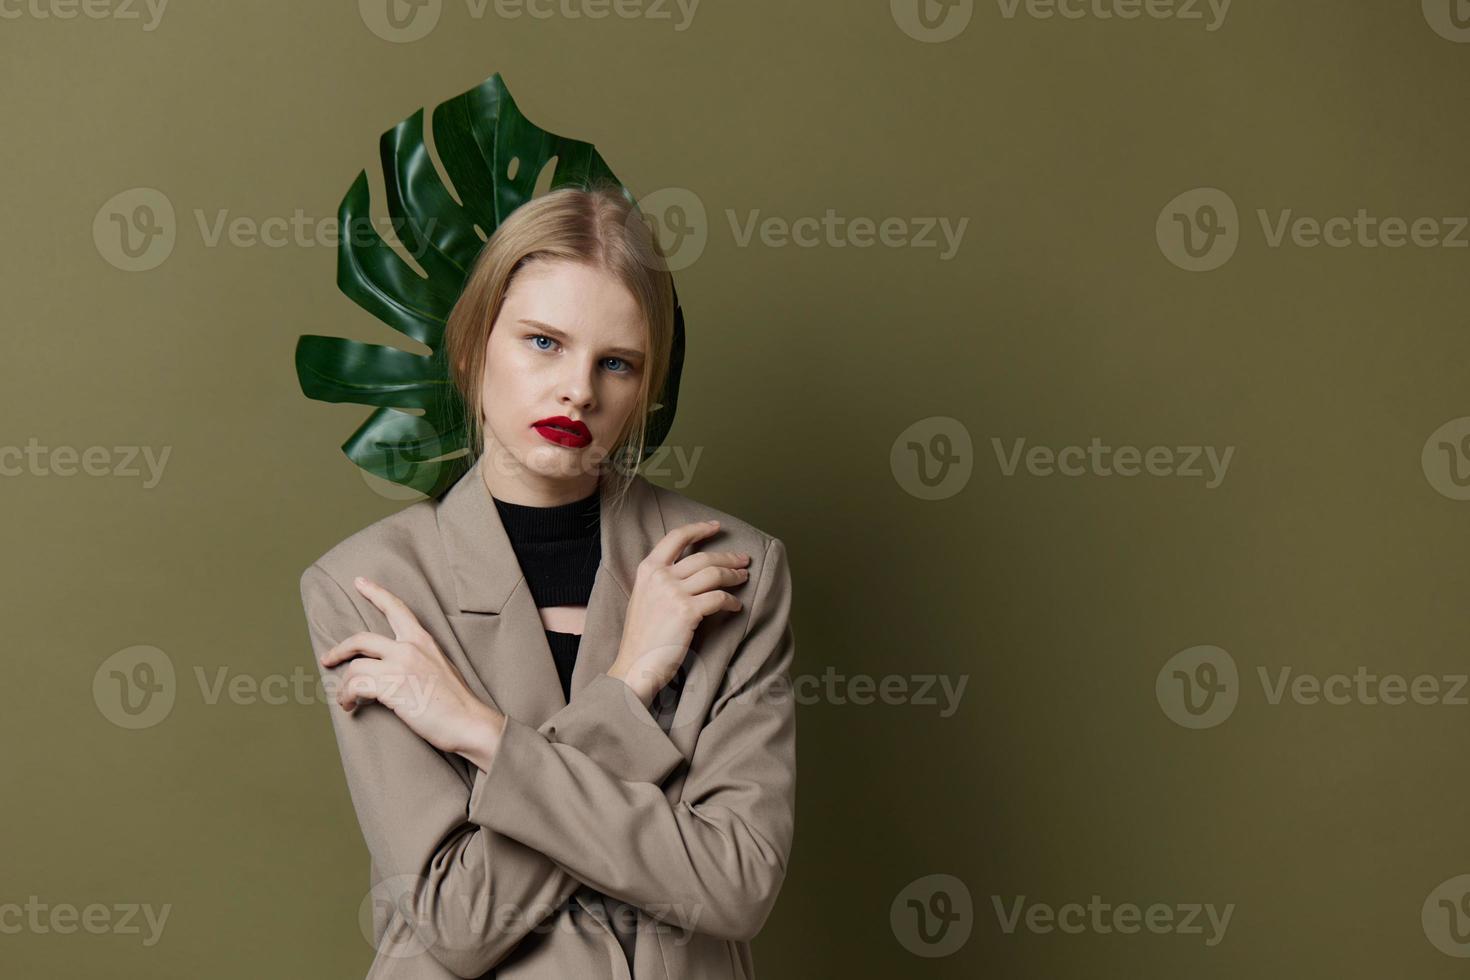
pixel 1326 548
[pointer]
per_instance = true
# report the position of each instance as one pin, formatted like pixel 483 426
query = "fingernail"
pixel 715 523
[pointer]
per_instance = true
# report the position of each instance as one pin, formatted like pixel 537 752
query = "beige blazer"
pixel 685 810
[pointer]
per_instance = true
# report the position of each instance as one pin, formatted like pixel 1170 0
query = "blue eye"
pixel 619 366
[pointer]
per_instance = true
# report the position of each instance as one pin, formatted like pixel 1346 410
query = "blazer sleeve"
pixel 468 892
pixel 714 861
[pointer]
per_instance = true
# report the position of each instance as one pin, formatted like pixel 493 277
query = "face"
pixel 563 368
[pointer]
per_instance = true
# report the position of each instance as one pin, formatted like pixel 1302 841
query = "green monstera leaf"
pixel 493 155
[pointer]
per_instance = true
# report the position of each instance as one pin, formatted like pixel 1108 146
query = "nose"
pixel 578 384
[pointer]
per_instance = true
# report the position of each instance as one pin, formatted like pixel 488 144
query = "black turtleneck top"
pixel 559 549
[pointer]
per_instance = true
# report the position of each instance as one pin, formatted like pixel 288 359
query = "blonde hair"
pixel 598 226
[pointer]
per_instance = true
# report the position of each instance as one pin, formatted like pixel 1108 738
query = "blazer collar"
pixel 498 625
pixel 483 563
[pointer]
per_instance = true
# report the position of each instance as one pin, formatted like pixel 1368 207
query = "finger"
pixel 405 624
pixel 672 545
pixel 714 577
pixel 361 682
pixel 688 565
pixel 373 645
pixel 707 603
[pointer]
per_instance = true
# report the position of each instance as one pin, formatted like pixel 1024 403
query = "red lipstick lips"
pixel 564 431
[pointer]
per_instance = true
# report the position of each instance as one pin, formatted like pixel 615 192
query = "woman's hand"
pixel 670 598
pixel 410 675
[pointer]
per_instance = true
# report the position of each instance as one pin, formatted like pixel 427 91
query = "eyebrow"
pixel 625 352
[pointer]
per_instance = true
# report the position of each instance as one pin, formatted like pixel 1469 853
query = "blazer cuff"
pixel 501 794
pixel 607 723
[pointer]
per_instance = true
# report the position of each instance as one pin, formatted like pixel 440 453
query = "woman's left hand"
pixel 410 676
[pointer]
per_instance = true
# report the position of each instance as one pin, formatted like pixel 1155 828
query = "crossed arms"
pixel 578 800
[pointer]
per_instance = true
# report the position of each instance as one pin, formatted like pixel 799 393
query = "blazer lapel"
pixel 497 622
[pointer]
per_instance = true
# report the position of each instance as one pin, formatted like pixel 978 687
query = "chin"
pixel 556 463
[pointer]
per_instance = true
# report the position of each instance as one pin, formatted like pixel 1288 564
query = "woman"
pixel 570 746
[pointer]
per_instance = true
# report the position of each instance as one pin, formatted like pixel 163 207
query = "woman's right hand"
pixel 671 596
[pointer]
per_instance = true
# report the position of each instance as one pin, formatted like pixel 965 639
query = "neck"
pixel 514 484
